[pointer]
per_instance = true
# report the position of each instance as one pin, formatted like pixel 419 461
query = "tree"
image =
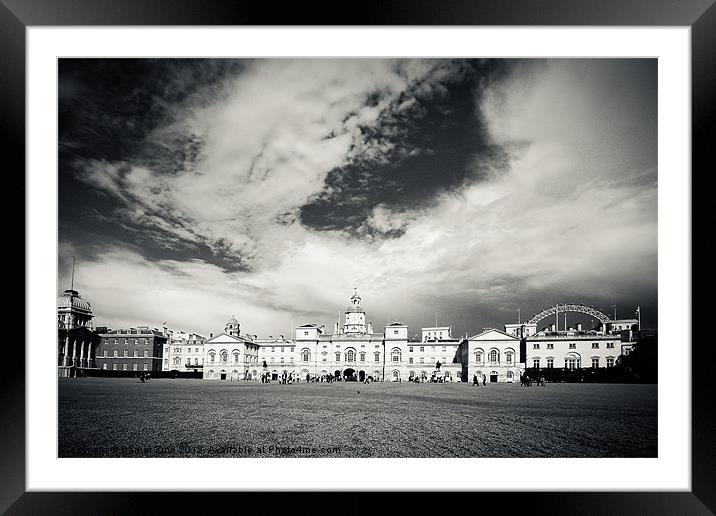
pixel 642 360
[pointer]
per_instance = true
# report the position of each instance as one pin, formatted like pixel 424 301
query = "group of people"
pixel 526 381
pixel 144 377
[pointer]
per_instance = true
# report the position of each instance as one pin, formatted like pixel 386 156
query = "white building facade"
pixel 230 356
pixel 183 352
pixel 493 356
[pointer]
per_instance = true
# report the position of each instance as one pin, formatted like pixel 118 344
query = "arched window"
pixel 350 356
pixel 494 356
pixel 510 376
pixel 396 374
pixel 224 356
pixel 395 355
pixel 305 354
pixel 212 357
pixel 236 357
pixel 478 356
pixel 508 357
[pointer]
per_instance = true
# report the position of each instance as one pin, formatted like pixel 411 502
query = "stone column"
pixel 82 352
pixel 65 355
pixel 74 352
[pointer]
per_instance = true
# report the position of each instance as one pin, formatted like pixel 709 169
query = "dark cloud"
pixel 434 141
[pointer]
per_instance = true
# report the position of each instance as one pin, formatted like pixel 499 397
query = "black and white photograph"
pixel 357 257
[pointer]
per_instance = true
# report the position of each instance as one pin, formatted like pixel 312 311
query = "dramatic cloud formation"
pixel 466 188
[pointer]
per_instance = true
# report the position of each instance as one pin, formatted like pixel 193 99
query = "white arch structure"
pixel 558 309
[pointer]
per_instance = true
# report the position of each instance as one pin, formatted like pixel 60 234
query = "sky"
pixel 191 190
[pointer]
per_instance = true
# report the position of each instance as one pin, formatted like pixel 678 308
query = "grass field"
pixel 102 417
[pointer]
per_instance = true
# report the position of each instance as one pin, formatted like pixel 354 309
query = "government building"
pixel 351 351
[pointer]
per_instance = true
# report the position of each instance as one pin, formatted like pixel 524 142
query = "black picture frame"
pixel 700 15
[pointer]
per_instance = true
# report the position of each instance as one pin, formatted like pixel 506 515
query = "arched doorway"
pixel 493 377
pixel 222 375
pixel 234 375
pixel 349 374
pixel 361 376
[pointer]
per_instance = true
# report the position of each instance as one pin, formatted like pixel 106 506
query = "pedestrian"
pixel 475 381
pixel 484 381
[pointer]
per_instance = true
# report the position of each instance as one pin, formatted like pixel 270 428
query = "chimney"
pixel 211 335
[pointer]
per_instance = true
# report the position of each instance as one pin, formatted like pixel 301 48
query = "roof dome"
pixel 71 299
pixel 233 321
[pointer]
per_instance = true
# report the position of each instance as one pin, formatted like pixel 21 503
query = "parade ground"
pixel 121 417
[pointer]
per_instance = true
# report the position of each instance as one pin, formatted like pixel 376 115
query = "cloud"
pixel 571 212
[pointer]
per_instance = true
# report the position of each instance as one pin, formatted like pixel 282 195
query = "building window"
pixel 572 345
pixel 478 357
pixel 146 367
pixel 550 346
pixel 422 348
pixel 126 353
pixel 212 356
pixel 236 358
pixel 610 345
pixel 444 348
pixel 224 356
pixel 595 362
pixel 305 333
pixel 595 345
pixel 350 356
pixel 422 360
pixel 395 355
pixel 410 349
pixel 535 363
pixel 535 346
pixel 362 357
pixel 493 356
pixel 410 360
pixel 508 357
pixel 550 363
pixel 134 367
pixel 395 332
pixel 104 365
pixel 571 363
pixel 124 367
pixel 377 357
pixel 610 361
pixel 146 353
pixel 114 367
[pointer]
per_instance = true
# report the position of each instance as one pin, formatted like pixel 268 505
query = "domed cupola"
pixel 73 311
pixel 232 327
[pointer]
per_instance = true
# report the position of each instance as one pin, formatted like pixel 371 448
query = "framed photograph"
pixel 418 249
